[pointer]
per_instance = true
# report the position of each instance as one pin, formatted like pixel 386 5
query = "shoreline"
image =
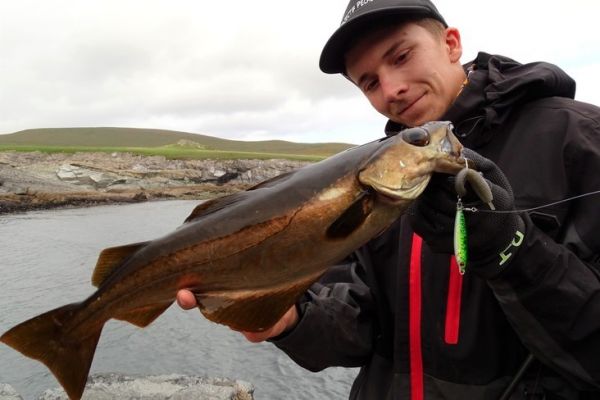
pixel 39 201
pixel 39 181
pixel 116 385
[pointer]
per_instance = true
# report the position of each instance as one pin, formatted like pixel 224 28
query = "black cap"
pixel 361 14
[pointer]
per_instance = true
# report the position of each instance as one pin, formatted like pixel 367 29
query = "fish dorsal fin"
pixel 273 181
pixel 110 259
pixel 214 205
pixel 143 316
pixel 352 218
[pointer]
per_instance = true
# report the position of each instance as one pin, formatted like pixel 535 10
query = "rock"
pixel 218 172
pixel 190 143
pixel 66 173
pixel 139 168
pixel 140 196
pixel 20 190
pixel 37 180
pixel 83 176
pixel 158 387
pixel 7 392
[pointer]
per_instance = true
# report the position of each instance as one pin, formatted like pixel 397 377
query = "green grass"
pixel 168 151
pixel 126 139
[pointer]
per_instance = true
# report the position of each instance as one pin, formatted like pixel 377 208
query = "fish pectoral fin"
pixel 253 310
pixel 214 205
pixel 352 218
pixel 143 316
pixel 110 259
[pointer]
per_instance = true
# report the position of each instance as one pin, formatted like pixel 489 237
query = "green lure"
pixel 460 238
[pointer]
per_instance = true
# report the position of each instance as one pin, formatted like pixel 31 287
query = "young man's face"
pixel 409 74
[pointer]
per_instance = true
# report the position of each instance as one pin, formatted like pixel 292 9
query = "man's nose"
pixel 392 87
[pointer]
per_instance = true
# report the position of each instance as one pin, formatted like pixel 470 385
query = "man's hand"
pixel 187 300
pixel 287 322
pixel 489 233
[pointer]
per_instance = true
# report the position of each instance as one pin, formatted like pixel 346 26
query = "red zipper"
pixel 453 304
pixel 414 322
pixel 452 327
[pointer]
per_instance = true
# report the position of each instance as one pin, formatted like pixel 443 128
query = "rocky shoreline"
pixel 152 387
pixel 35 180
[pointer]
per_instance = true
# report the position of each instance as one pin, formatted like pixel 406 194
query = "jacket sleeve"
pixel 550 292
pixel 336 323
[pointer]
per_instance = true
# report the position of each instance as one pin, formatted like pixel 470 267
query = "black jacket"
pixel 397 307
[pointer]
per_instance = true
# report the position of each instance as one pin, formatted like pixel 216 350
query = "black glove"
pixel 493 238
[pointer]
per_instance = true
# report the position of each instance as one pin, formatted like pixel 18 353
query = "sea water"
pixel 46 260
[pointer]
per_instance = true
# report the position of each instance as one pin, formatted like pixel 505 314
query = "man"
pixel 398 307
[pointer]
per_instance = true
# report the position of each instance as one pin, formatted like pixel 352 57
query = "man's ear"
pixel 453 44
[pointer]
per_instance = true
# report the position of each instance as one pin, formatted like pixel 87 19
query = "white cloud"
pixel 238 69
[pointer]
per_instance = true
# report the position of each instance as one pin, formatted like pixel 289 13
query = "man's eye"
pixel 369 86
pixel 401 58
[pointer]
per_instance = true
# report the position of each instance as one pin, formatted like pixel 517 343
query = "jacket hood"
pixel 496 85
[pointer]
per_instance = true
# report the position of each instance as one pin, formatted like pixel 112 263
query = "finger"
pixel 186 299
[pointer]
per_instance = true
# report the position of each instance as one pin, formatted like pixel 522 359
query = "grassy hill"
pixel 172 144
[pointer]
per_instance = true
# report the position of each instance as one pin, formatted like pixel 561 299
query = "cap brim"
pixel 332 56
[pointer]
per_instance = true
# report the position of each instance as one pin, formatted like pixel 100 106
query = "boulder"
pixel 7 392
pixel 83 176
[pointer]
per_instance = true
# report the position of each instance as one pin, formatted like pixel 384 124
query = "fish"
pixel 248 256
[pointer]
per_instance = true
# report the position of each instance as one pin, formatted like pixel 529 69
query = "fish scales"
pixel 247 257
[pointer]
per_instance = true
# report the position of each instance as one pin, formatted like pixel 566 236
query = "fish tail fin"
pixel 69 357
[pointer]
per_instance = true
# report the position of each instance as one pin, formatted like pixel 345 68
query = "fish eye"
pixel 416 136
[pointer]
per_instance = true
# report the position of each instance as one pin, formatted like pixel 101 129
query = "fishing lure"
pixel 483 191
pixel 460 238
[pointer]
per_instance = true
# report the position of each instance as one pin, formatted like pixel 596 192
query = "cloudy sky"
pixel 239 69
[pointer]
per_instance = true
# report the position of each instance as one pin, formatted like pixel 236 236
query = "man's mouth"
pixel 410 104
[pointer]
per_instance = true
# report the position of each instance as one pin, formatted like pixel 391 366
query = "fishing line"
pixel 475 209
pixel 460 225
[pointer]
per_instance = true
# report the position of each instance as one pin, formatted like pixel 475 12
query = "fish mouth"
pixel 396 195
pixel 447 147
pixel 450 146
